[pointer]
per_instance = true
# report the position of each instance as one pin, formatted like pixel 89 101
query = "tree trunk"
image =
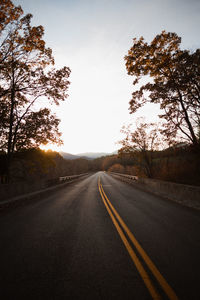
pixel 148 163
pixel 10 135
pixel 193 136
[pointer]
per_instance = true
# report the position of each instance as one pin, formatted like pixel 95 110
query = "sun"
pixel 51 147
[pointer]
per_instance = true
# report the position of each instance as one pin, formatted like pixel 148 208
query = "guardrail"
pixel 71 177
pixel 133 177
pixel 187 195
pixel 8 191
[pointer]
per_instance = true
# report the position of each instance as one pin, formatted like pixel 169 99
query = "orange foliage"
pixel 117 168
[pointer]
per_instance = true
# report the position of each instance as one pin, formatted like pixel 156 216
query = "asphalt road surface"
pixel 100 238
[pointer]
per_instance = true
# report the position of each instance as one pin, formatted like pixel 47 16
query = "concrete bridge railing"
pixel 182 193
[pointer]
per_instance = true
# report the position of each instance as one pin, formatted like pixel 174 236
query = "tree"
pixel 108 161
pixel 38 128
pixel 140 144
pixel 117 168
pixel 27 81
pixel 8 13
pixel 174 83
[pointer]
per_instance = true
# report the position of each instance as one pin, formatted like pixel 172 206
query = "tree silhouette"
pixel 28 80
pixel 174 83
pixel 140 144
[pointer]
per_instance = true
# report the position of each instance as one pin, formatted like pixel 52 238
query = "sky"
pixel 92 37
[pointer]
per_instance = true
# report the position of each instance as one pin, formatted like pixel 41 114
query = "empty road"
pixel 100 238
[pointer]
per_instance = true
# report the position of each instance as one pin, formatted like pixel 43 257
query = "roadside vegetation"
pixel 35 164
pixel 177 164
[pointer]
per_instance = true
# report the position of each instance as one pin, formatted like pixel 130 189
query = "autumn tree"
pixel 173 78
pixel 8 13
pixel 140 144
pixel 108 161
pixel 28 83
pixel 117 168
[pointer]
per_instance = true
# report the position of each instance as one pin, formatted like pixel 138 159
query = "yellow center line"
pixel 132 254
pixel 163 283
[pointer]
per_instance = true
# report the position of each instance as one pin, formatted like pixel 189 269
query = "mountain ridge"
pixel 86 155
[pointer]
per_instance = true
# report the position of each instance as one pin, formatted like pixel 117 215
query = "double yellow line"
pixel 122 228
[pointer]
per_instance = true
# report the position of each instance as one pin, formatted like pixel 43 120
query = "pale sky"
pixel 92 37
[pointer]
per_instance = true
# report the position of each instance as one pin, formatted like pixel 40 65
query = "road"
pixel 100 238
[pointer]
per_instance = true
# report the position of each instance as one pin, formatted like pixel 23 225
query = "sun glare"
pixel 51 147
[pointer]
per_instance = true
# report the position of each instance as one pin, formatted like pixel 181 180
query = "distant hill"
pixel 93 155
pixel 68 155
pixel 86 155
